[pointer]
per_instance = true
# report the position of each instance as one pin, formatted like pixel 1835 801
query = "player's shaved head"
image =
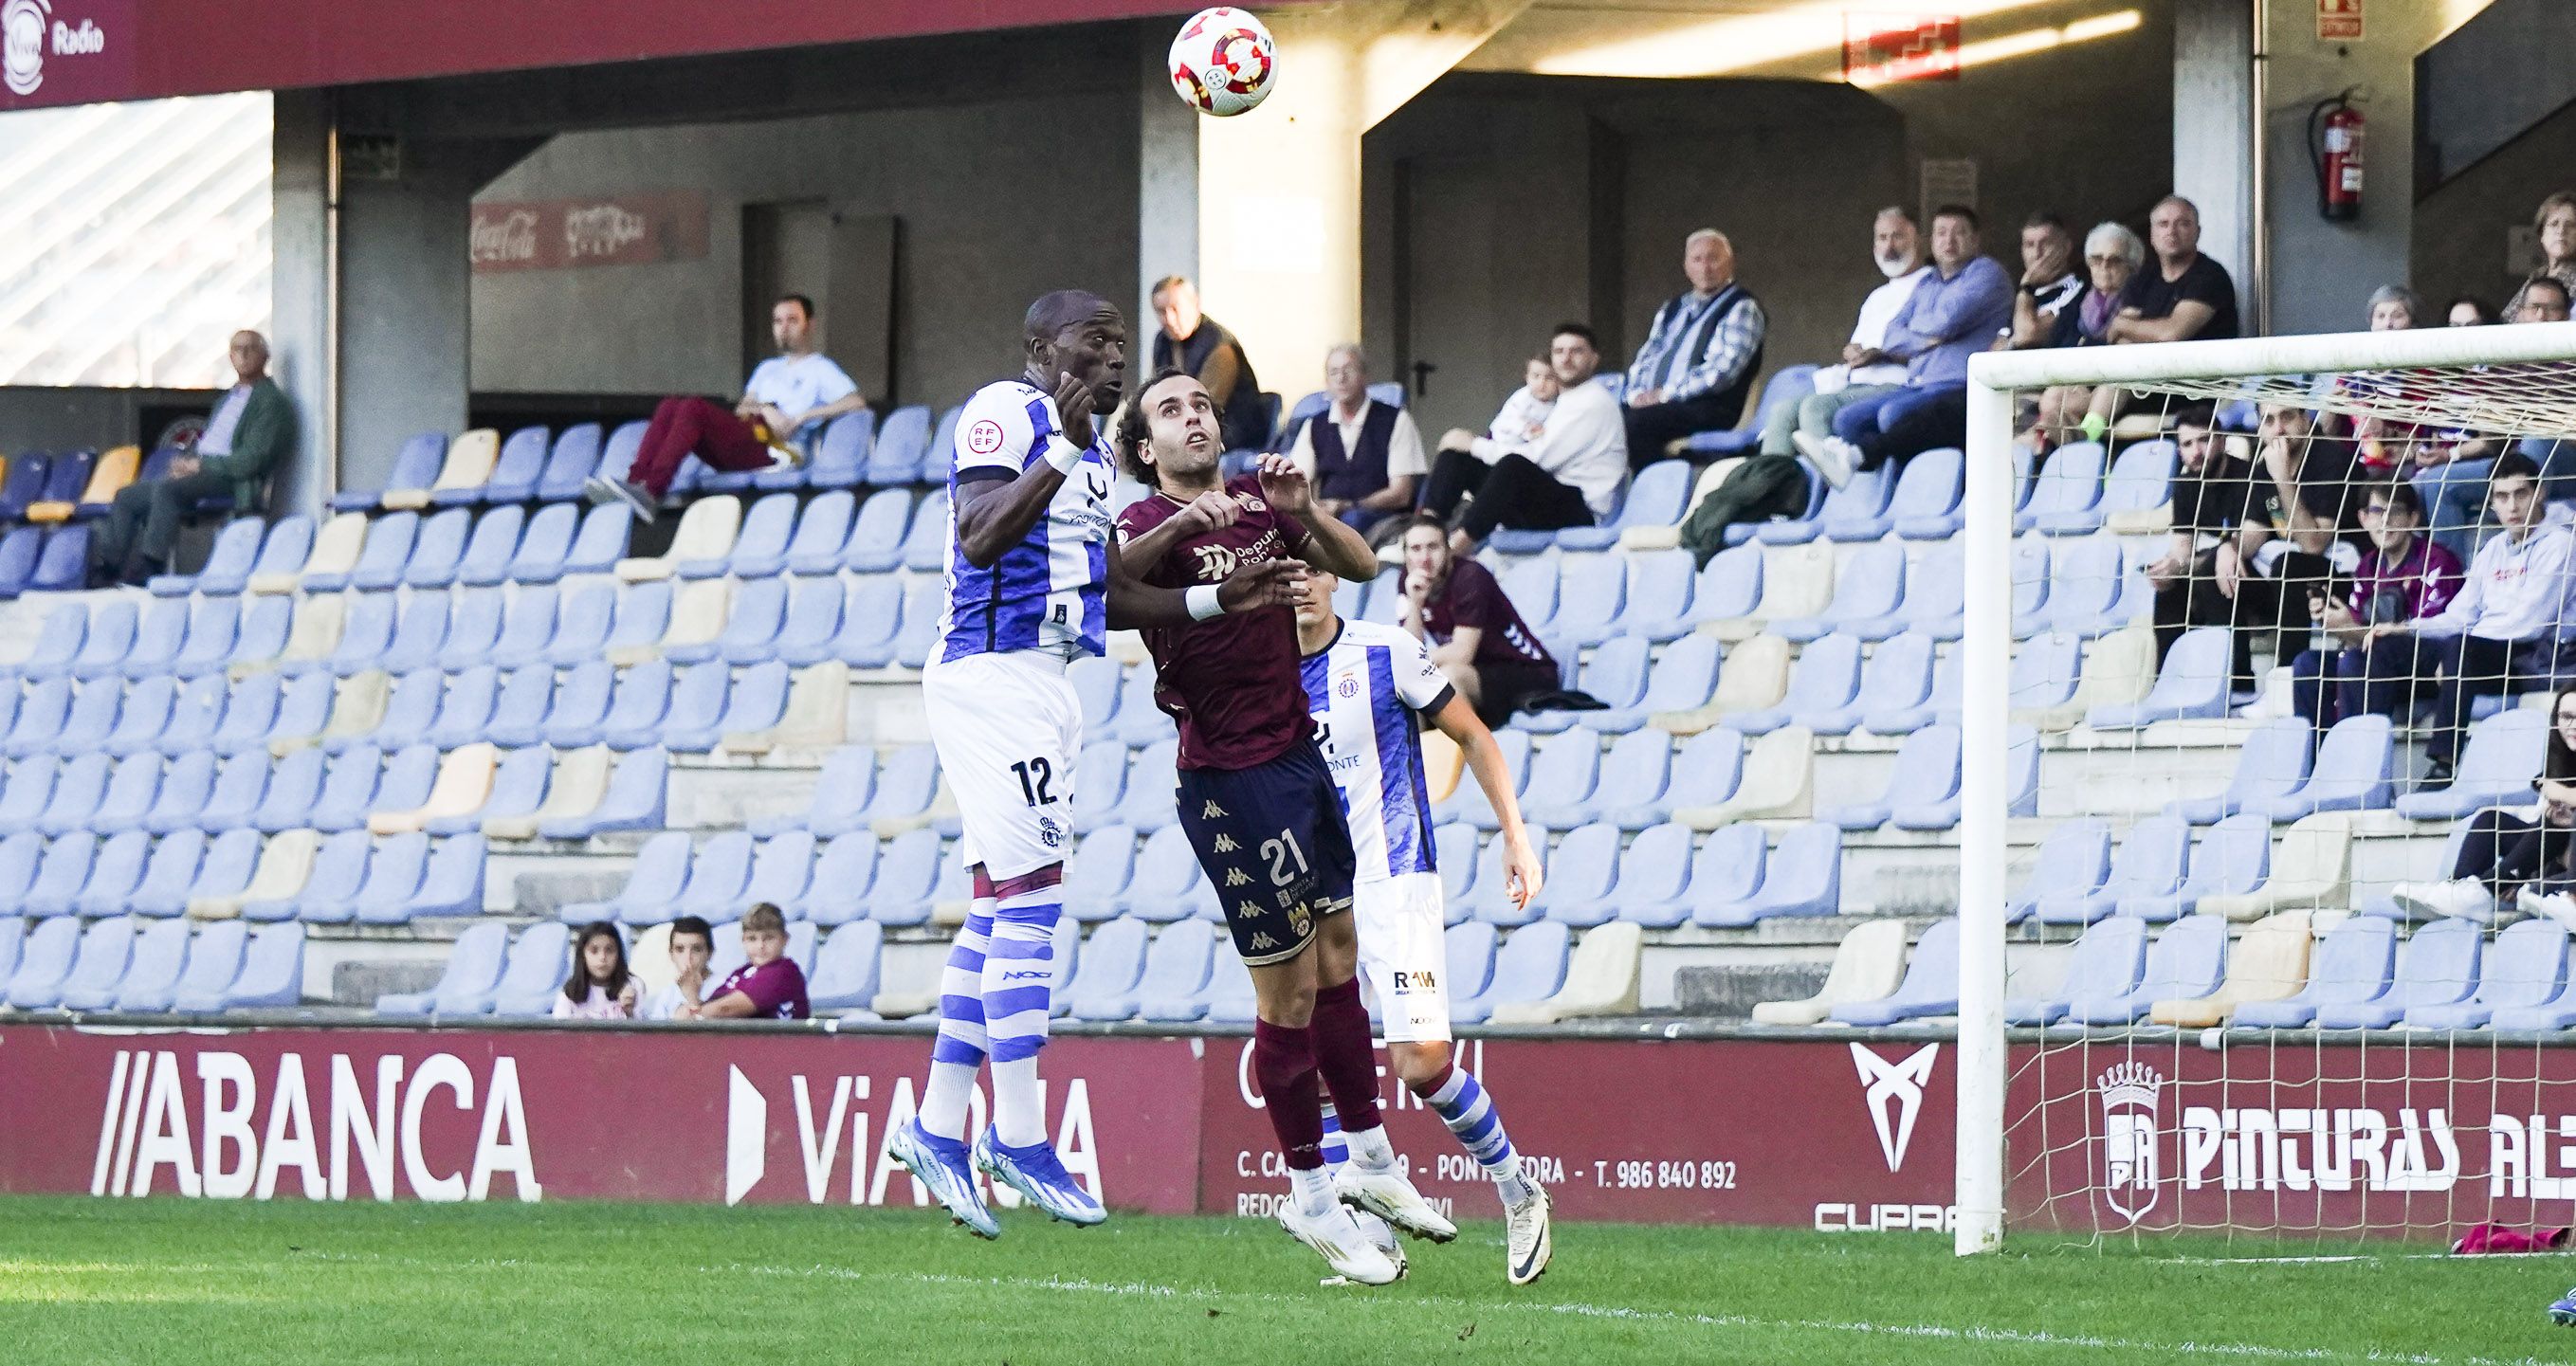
pixel 1075 334
pixel 1053 313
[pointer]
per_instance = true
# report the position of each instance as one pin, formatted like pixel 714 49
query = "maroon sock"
pixel 1283 1060
pixel 1343 1055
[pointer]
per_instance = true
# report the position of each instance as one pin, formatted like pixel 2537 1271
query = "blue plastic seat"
pixel 62 565
pixel 1096 877
pixel 519 783
pixel 303 709
pixel 145 715
pixel 1924 506
pixel 1926 770
pixel 2021 789
pixel 415 466
pixel 759 548
pixel 2105 965
pixel 908 870
pixel 131 790
pixel 330 891
pixel 544 544
pixel 243 716
pixel 185 791
pixel 811 622
pixel 2140 480
pixel 411 708
pixel 43 959
pixel 228 803
pixel 1729 586
pixel 582 624
pixel 289 545
pixel 2271 765
pixel 1562 770
pixel 2526 972
pixel 472 970
pixel 78 789
pixel 839 460
pixel 1167 882
pixel 1863 499
pixel 1802 877
pixel 1930 988
pixel 1659 595
pixel 654 883
pixel 2350 965
pixel 263 633
pixel 230 860
pixel 870 620
pixel 532 975
pixel 2439 965
pixel 106 947
pixel 752 623
pixel 420 632
pixel 60 875
pixel 923 604
pixel 1109 965
pixel 643 618
pixel 1591 590
pixel 600 543
pixel 397 885
pixel 90 717
pixel 212 630
pixel 157 638
pixel 1616 674
pixel 515 471
pixel 633 801
pixel 380 557
pixel 845 970
pixel 2069 487
pixel 207 963
pixel 228 563
pixel 2230 858
pixel 2044 672
pixel 878 539
pixel 485 560
pixel 437 550
pixel 1827 675
pixel 2354 771
pixel 897 455
pixel 1682 680
pixel 1581 870
pixel 580 706
pixel 1175 970
pixel 20 551
pixel 1896 679
pixel 2093 589
pixel 58 643
pixel 645 695
pixel 473 629
pixel 2192 685
pixel 1655 497
pixel 1530 966
pixel 2072 863
pixel 755 702
pixel 294 783
pixel 2495 768
pixel 41 713
pixel 465 707
pixel 271 977
pixel 366 633
pixel 576 454
pixel 822 530
pixel 110 638
pixel 837 891
pixel 925 544
pixel 840 799
pixel 2187 960
pixel 527 626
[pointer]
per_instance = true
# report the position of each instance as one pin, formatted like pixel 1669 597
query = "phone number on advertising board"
pixel 1639 1175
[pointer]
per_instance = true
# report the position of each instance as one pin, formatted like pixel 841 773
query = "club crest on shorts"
pixel 1300 921
pixel 2132 1095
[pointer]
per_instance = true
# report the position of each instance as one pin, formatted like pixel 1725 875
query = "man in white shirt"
pixel 792 396
pixel 1568 475
pixel 1363 457
pixel 1896 246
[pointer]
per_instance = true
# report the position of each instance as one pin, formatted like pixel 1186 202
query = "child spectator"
pixel 600 988
pixel 692 945
pixel 768 986
pixel 2510 859
pixel 2402 576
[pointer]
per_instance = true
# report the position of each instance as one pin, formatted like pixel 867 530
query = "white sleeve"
pixel 1302 450
pixel 1417 680
pixel 831 382
pixel 1404 449
pixel 1001 429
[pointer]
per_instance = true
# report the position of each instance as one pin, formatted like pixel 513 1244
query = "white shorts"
pixel 1008 729
pixel 1404 952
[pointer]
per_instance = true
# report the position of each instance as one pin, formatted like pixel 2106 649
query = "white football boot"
pixel 1386 1193
pixel 1530 1243
pixel 1338 1240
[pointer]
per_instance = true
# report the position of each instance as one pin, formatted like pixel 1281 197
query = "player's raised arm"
pixel 1330 544
pixel 1457 720
pixel 995 507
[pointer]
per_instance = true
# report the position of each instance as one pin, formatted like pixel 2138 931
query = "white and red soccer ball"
pixel 1223 62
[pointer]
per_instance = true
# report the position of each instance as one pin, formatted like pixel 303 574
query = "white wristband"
pixel 1063 454
pixel 1203 603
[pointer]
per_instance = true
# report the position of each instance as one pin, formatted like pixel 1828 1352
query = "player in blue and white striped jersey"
pixel 1370 687
pixel 1031 588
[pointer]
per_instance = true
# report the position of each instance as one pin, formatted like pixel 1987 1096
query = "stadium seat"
pixel 1601 978
pixel 1684 680
pixel 517 789
pixel 2231 858
pixel 271 977
pixel 907 879
pixel 60 875
pixel 239 720
pixel 420 631
pixel 1925 506
pixel 214 628
pixel 212 960
pixel 1176 969
pixel 1863 499
pixel 281 869
pixel 1803 877
pixel 840 797
pixel 228 563
pixel 923 603
pixel 2192 685
pixel 472 970
pixel 1776 781
pixel 809 621
pixel 362 713
pixel 632 798
pixel 1784 388
pixel 20 551
pixel 883 533
pixel 1653 877
pixel 2354 771
pixel 1869 592
pixel 60 493
pixel 1926 770
pixel 870 620
pixel 44 957
pixel 839 460
pixel 2272 764
pixel 1580 871
pixel 393 878
pixel 304 707
pixel 2106 964
pixel 415 464
pixel 336 548
pixel 436 551
pixel 1096 877
pixel 1868 966
pixel 758 549
pixel 77 792
pixel 1111 962
pixel 2063 498
pixel 39 719
pixel 23 484
pixel 1563 767
pixel 2349 965
pixel 2071 865
pixel 1152 777
pixel 579 779
pixel 2119 670
pixel 643 618
pixel 110 638
pixel 1615 674
pixel 545 543
pixel 655 884
pixel 599 546
pixel 2187 960
pixel 577 454
pixel 822 533
pixel 516 471
pixel 845 971
pixel 263 636
pixel 836 892
pixel 58 641
pixel 1752 677
pixel 337 870
pixel 283 557
pixel 106 947
pixel 2269 964
pixel 145 715
pixel 133 786
pixel 1896 679
pixel 1166 882
pixel 2134 496
pixel 2496 768
pixel 1590 591
pixel 2526 971
pixel 576 633
pixel 1530 966
pixel 464 781
pixel 1654 498
pixel 1930 987
pixel 2438 966
pixel 532 975
pixel 699 613
pixel 2093 590
pixel 898 453
pixel 1826 676
pixel 1702 773
pixel 486 557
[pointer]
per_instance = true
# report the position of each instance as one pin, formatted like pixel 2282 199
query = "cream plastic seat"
pixel 1600 979
pixel 698 612
pixel 817 715
pixel 580 780
pixel 1797 581
pixel 2268 964
pixel 468 466
pixel 2119 671
pixel 650 961
pixel 706 532
pixel 313 636
pixel 1868 965
pixel 335 551
pixel 357 709
pixel 1753 675
pixel 1779 783
pixel 2311 870
pixel 283 867
pixel 464 783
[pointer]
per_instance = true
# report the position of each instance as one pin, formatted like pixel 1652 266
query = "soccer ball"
pixel 1223 62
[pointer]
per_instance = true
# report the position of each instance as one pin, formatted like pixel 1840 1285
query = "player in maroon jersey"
pixel 1260 806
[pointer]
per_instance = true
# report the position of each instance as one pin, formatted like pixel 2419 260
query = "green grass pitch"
pixel 85 1281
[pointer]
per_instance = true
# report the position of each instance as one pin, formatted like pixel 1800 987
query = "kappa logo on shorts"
pixel 1264 941
pixel 1249 910
pixel 1212 811
pixel 1225 844
pixel 1234 877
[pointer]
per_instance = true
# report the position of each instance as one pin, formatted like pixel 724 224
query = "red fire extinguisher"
pixel 2334 144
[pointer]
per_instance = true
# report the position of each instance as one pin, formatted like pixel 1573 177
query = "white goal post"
pixel 2524 384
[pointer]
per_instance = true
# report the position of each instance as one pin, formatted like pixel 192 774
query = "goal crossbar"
pixel 2385 370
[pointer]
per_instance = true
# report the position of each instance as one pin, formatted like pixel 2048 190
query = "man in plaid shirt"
pixel 1700 356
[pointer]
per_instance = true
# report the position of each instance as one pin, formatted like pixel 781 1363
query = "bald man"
pixel 1700 356
pixel 253 427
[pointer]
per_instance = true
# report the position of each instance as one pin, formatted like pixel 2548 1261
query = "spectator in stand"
pixel 2542 299
pixel 792 396
pixel 1895 247
pixel 2044 308
pixel 253 427
pixel 599 988
pixel 2509 859
pixel 2451 468
pixel 1520 423
pixel 768 986
pixel 2395 308
pixel 1363 457
pixel 1456 607
pixel 2402 577
pixel 2199 580
pixel 2112 256
pixel 2302 532
pixel 2185 296
pixel 2501 633
pixel 2554 223
pixel 1569 475
pixel 1954 313
pixel 1700 355
pixel 2468 311
pixel 1193 341
pixel 692 946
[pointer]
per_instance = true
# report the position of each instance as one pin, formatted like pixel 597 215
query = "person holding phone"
pixel 2402 577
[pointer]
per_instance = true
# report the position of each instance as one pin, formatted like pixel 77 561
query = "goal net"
pixel 2261 926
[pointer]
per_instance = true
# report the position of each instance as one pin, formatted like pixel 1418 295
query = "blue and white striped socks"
pixel 1018 988
pixel 958 1053
pixel 1469 1112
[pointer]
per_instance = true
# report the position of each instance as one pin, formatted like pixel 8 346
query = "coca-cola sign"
pixel 598 230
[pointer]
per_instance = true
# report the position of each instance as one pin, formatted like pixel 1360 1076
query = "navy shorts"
pixel 1275 848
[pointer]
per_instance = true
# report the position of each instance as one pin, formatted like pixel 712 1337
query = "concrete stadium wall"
pixel 998 202
pixel 2464 230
